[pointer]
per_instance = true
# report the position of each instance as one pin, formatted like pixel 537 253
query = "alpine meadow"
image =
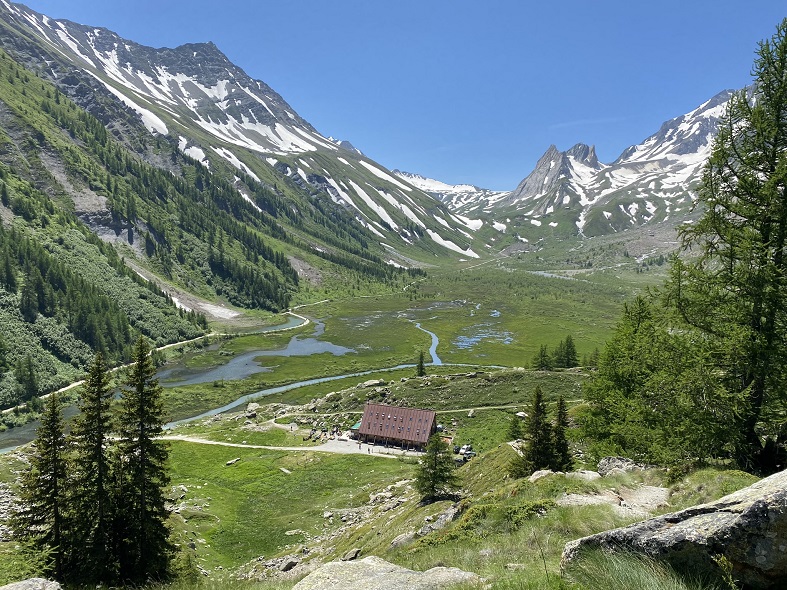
pixel 239 353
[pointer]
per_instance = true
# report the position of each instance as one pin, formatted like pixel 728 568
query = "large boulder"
pixel 373 573
pixel 748 527
pixel 32 584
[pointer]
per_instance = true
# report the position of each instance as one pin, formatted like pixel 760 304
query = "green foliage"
pixel 3 356
pixel 420 370
pixel 76 299
pixel 94 504
pixel 565 354
pixel 22 560
pixel 519 513
pixel 707 485
pixel 538 452
pixel 563 461
pixel 140 475
pixel 656 396
pixel 482 520
pixel 436 475
pixel 543 361
pixel 42 516
pixel 515 430
pixel 91 490
pixel 733 293
pixel 26 377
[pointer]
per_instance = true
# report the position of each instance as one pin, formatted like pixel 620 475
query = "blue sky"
pixel 466 92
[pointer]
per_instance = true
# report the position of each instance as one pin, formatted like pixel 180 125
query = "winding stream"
pixel 272 390
pixel 238 368
pixel 433 348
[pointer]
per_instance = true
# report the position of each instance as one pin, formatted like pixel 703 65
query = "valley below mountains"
pixel 166 217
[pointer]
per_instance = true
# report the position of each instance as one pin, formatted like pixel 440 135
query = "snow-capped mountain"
pixel 556 176
pixel 196 98
pixel 650 182
pixel 455 196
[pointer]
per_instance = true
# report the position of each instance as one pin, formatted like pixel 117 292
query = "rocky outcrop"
pixel 32 584
pixel 403 539
pixel 446 517
pixel 748 527
pixel 611 465
pixel 373 573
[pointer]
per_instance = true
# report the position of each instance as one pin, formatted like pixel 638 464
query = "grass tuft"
pixel 598 570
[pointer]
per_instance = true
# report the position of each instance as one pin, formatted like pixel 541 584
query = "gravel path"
pixel 342 447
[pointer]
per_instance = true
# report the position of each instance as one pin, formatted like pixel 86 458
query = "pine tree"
pixel 9 274
pixel 736 289
pixel 28 301
pixel 562 459
pixel 515 428
pixel 91 498
pixel 570 352
pixel 420 370
pixel 436 474
pixel 538 452
pixel 543 360
pixel 42 514
pixel 142 536
pixel 559 355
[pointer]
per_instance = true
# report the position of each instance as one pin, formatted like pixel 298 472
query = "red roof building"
pixel 390 425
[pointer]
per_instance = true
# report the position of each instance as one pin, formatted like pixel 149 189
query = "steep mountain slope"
pixel 64 294
pixel 572 192
pixel 212 111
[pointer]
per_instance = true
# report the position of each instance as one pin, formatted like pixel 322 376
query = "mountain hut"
pixel 409 428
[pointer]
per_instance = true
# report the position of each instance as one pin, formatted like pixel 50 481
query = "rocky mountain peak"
pixel 584 154
pixel 554 171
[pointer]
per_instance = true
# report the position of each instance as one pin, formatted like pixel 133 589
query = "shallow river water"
pixel 239 367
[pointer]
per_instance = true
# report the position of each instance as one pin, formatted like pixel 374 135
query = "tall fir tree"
pixel 3 356
pixel 542 361
pixel 562 459
pixel 538 452
pixel 142 536
pixel 735 290
pixel 42 516
pixel 570 357
pixel 436 474
pixel 420 370
pixel 559 355
pixel 92 501
pixel 26 377
pixel 7 272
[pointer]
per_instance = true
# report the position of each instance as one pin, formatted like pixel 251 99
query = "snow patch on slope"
pixel 450 245
pixel 233 159
pixel 384 176
pixel 151 121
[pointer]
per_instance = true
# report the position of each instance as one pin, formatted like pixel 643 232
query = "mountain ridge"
pixel 573 193
pixel 220 116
